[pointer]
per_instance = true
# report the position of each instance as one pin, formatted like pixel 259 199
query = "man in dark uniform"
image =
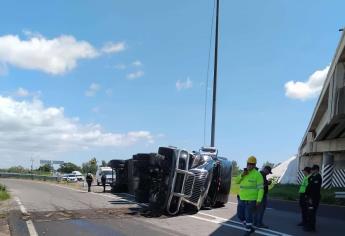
pixel 104 181
pixel 313 197
pixel 259 214
pixel 89 180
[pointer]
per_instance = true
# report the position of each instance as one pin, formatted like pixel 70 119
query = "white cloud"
pixel 309 89
pixel 120 66
pixel 184 85
pixel 111 47
pixel 21 92
pixel 92 90
pixel 137 63
pixel 53 56
pixel 95 109
pixel 31 34
pixel 109 92
pixel 29 127
pixel 3 69
pixel 135 75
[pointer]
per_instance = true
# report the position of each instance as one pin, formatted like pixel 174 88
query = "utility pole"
pixel 215 79
pixel 32 163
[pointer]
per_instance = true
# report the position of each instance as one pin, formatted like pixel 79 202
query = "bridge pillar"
pixel 327 169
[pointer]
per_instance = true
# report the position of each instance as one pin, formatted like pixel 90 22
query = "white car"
pixel 70 178
pixel 79 176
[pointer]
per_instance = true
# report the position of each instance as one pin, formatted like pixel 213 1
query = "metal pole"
pixel 215 79
pixel 32 163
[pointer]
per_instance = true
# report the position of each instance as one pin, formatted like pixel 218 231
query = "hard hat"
pixel 251 160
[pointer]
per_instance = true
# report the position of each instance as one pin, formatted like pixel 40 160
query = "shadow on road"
pixel 119 202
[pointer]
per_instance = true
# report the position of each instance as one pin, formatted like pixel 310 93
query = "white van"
pixel 108 172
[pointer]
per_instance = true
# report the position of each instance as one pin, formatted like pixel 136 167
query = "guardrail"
pixel 339 194
pixel 29 176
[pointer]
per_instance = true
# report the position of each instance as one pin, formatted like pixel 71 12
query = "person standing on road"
pixel 104 180
pixel 251 193
pixel 303 197
pixel 259 214
pixel 313 194
pixel 89 180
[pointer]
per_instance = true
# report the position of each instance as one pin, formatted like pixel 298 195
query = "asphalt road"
pixel 50 209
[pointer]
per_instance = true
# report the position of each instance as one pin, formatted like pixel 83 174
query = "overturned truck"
pixel 175 180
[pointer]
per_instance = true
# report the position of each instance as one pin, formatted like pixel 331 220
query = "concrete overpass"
pixel 324 140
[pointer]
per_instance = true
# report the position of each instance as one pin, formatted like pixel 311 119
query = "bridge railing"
pixel 339 195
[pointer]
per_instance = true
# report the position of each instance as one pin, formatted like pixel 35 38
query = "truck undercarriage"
pixel 175 180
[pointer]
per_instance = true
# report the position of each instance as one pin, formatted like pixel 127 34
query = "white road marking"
pixel 21 206
pixel 29 223
pixel 31 228
pixel 218 222
pixel 221 222
pixel 219 219
pixel 233 203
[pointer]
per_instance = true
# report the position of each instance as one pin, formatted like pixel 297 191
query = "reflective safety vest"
pixel 304 184
pixel 251 186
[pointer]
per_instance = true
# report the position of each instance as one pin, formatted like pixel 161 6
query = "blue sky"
pixel 112 78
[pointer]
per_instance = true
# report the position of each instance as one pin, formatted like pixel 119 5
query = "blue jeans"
pixel 259 214
pixel 245 211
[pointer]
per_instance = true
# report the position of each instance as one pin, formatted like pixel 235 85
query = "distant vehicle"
pixel 79 176
pixel 108 172
pixel 70 178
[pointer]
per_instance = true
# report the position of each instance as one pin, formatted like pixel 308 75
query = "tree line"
pixel 86 167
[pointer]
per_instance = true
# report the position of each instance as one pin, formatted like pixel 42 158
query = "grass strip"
pixel 4 195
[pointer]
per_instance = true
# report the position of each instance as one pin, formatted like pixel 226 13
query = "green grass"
pixel 235 188
pixel 284 191
pixel 4 195
pixel 290 192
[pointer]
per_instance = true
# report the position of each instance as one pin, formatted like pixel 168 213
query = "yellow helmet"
pixel 251 160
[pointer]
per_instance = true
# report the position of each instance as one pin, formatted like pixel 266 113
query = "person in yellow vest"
pixel 251 193
pixel 302 197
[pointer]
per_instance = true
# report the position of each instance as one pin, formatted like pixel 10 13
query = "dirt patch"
pixel 85 214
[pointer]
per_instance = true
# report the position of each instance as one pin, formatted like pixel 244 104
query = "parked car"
pixel 174 180
pixel 79 176
pixel 108 172
pixel 70 178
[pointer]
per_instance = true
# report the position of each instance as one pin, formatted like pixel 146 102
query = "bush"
pixel 3 193
pixel 2 187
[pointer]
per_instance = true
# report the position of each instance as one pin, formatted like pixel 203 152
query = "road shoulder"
pixel 5 207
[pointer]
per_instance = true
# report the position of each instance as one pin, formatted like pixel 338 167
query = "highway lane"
pixel 55 209
pixel 58 210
